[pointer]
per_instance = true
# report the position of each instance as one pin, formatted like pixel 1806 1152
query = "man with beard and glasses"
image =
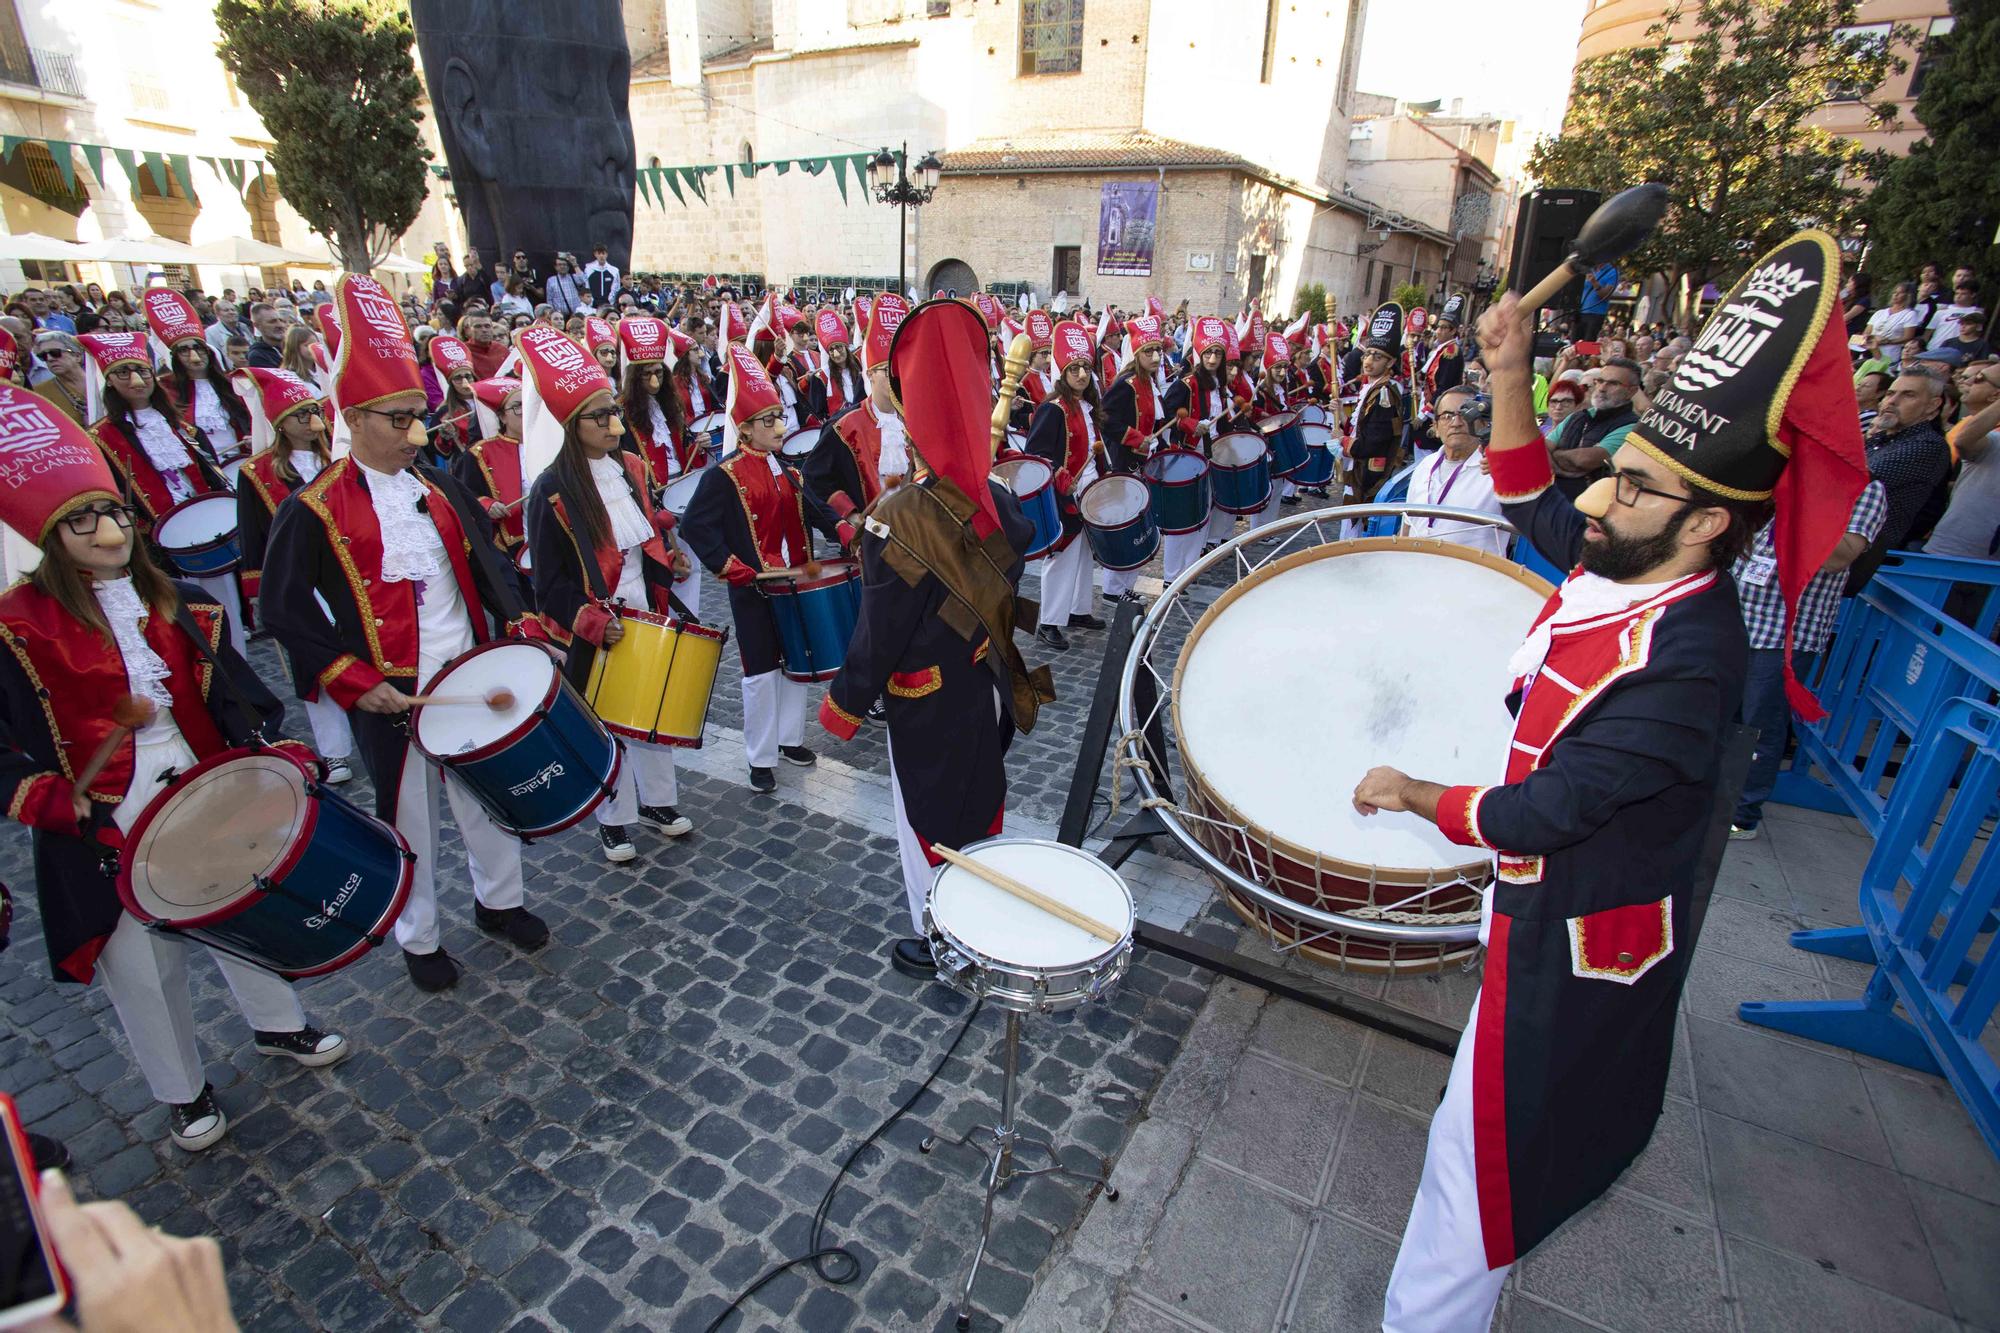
pixel 1599 809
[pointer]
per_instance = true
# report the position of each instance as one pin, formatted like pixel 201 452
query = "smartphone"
pixel 31 1282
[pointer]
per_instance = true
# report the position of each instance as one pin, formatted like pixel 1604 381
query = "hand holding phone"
pixel 129 1277
pixel 31 1282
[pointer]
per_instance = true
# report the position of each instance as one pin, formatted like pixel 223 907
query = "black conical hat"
pixel 1454 308
pixel 1387 326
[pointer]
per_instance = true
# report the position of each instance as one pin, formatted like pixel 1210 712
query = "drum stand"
pixel 1004 1142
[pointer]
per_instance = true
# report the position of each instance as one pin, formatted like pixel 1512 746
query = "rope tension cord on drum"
pixel 819 1255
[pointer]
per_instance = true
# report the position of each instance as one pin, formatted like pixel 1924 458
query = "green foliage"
pixel 1716 105
pixel 1942 202
pixel 1311 300
pixel 334 83
pixel 1410 294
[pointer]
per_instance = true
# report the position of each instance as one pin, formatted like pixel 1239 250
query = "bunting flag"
pixel 673 182
pixel 729 177
pixel 648 179
pixel 162 169
pixel 692 175
pixel 840 176
pixel 59 151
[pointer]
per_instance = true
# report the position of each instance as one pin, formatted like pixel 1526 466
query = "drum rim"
pixel 1047 482
pixel 1163 483
pixel 803 432
pixel 1145 510
pixel 189 503
pixel 1263 452
pixel 1110 952
pixel 286 862
pixel 502 742
pixel 849 570
pixel 669 620
pixel 1278 421
pixel 1401 876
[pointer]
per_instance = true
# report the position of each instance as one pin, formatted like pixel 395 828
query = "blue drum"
pixel 1118 521
pixel 1241 467
pixel 1314 414
pixel 1322 458
pixel 246 852
pixel 1396 490
pixel 816 617
pixel 1034 485
pixel 1179 481
pixel 503 721
pixel 199 535
pixel 1285 439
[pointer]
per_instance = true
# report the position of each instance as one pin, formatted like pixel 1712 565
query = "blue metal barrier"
pixel 1923 943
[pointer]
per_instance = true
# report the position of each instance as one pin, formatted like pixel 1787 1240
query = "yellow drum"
pixel 654 684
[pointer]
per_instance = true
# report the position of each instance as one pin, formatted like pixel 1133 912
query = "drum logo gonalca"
pixel 328 911
pixel 539 780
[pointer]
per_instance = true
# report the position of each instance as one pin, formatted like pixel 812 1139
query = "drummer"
pixel 490 467
pixel 198 382
pixel 288 431
pixel 750 514
pixel 601 338
pixel 453 425
pixel 1066 434
pixel 655 431
pixel 956 695
pixel 1038 381
pixel 98 620
pixel 865 450
pixel 839 383
pixel 161 460
pixel 1375 430
pixel 687 365
pixel 584 492
pixel 1132 414
pixel 378 574
pixel 1196 403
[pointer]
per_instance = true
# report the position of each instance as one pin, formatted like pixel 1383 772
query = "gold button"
pixel 1623 957
pixel 378 625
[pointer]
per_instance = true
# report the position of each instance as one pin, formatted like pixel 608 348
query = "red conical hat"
pixel 988 307
pixel 1276 349
pixel 48 465
pixel 376 359
pixel 1145 331
pixel 790 317
pixel 861 304
pixel 271 396
pixel 597 332
pixel 329 329
pixel 728 324
pixel 1231 349
pixel 1072 345
pixel 750 389
pixel 1157 309
pixel 644 340
pixel 832 330
pixel 885 315
pixel 111 350
pixel 1041 329
pixel 489 399
pixel 171 316
pixel 557 379
pixel 938 369
pixel 449 355
pixel 1210 331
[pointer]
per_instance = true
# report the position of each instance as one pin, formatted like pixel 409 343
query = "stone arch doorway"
pixel 952 275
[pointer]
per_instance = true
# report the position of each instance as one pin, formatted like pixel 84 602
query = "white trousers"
pixel 774 714
pixel 645 778
pixel 1441 1283
pixel 1178 552
pixel 689 588
pixel 1221 524
pixel 1270 509
pixel 917 870
pixel 1066 583
pixel 332 736
pixel 222 587
pixel 1118 582
pixel 492 853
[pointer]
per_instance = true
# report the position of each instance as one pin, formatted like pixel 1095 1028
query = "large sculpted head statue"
pixel 531 101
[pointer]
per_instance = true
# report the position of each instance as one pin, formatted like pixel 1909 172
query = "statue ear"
pixel 465 118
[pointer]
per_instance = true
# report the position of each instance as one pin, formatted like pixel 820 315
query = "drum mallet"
pixel 499 699
pixel 1033 897
pixel 131 712
pixel 1620 225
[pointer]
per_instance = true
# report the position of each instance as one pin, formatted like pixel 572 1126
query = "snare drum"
pixel 233 469
pixel 538 765
pixel 800 443
pixel 1313 414
pixel 245 852
pixel 680 492
pixel 1241 468
pixel 706 430
pixel 1286 441
pixel 1322 459
pixel 992 945
pixel 1033 482
pixel 655 683
pixel 1179 480
pixel 1267 781
pixel 524 561
pixel 1118 521
pixel 199 535
pixel 816 617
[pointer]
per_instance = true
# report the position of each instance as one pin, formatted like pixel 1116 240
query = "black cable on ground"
pixel 819 1256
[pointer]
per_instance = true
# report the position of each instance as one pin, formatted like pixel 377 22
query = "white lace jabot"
pixel 164 449
pixel 410 544
pixel 629 527
pixel 145 671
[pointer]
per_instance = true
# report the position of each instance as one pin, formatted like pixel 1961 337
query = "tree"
pixel 334 83
pixel 1716 106
pixel 1311 300
pixel 1410 295
pixel 1942 202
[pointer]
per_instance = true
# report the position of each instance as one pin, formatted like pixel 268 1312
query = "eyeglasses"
pixel 84 522
pixel 601 418
pixel 312 412
pixel 766 419
pixel 398 418
pixel 1630 488
pixel 131 373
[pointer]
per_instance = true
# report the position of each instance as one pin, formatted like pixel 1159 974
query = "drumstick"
pixel 1027 895
pixel 499 699
pixel 131 712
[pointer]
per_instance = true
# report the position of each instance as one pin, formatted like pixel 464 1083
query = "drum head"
pixel 800 442
pixel 1176 466
pixel 1238 450
pixel 1278 422
pixel 1284 745
pixel 211 835
pixel 1111 501
pixel 1318 437
pixel 1023 476
pixel 448 729
pixel 680 491
pixel 995 923
pixel 198 522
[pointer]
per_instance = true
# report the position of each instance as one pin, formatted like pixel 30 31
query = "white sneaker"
pixel 338 772
pixel 1737 833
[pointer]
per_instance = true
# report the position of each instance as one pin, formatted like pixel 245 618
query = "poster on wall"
pixel 1126 215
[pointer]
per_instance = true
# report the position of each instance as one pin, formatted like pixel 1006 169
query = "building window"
pixel 1254 288
pixel 1051 36
pixel 1066 274
pixel 937 9
pixel 42 270
pixel 1927 55
pixel 1270 40
pixel 1863 37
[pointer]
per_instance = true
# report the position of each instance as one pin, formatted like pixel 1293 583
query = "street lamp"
pixel 893 185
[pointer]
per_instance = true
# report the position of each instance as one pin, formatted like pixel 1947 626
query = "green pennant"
pixel 861 161
pixel 130 161
pixel 729 177
pixel 784 166
pixel 643 185
pixel 751 168
pixel 93 156
pixel 692 175
pixel 60 150
pixel 812 166
pixel 840 176
pixel 184 173
pixel 8 144
pixel 237 172
pixel 673 181
pixel 156 167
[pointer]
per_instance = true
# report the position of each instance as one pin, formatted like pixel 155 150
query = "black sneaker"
pixel 1289 500
pixel 197 1124
pixel 522 928
pixel 1085 622
pixel 667 820
pixel 797 754
pixel 877 714
pixel 433 971
pixel 1210 547
pixel 1052 637
pixel 761 779
pixel 616 842
pixel 309 1046
pixel 912 957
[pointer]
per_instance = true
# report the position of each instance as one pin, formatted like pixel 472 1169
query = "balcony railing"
pixel 51 71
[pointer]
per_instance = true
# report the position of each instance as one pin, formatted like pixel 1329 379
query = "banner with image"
pixel 1127 212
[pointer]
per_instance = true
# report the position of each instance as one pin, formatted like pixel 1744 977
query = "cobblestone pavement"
pixel 618 1130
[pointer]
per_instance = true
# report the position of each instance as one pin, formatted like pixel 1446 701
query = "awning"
pixel 244 252
pixel 137 250
pixel 33 245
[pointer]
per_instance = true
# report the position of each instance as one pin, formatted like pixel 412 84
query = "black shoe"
pixel 912 957
pixel 309 1046
pixel 433 971
pixel 1085 622
pixel 1053 638
pixel 1135 597
pixel 1289 500
pixel 197 1124
pixel 761 779
pixel 877 714
pixel 522 928
pixel 667 820
pixel 616 842
pixel 49 1154
pixel 1210 547
pixel 797 754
